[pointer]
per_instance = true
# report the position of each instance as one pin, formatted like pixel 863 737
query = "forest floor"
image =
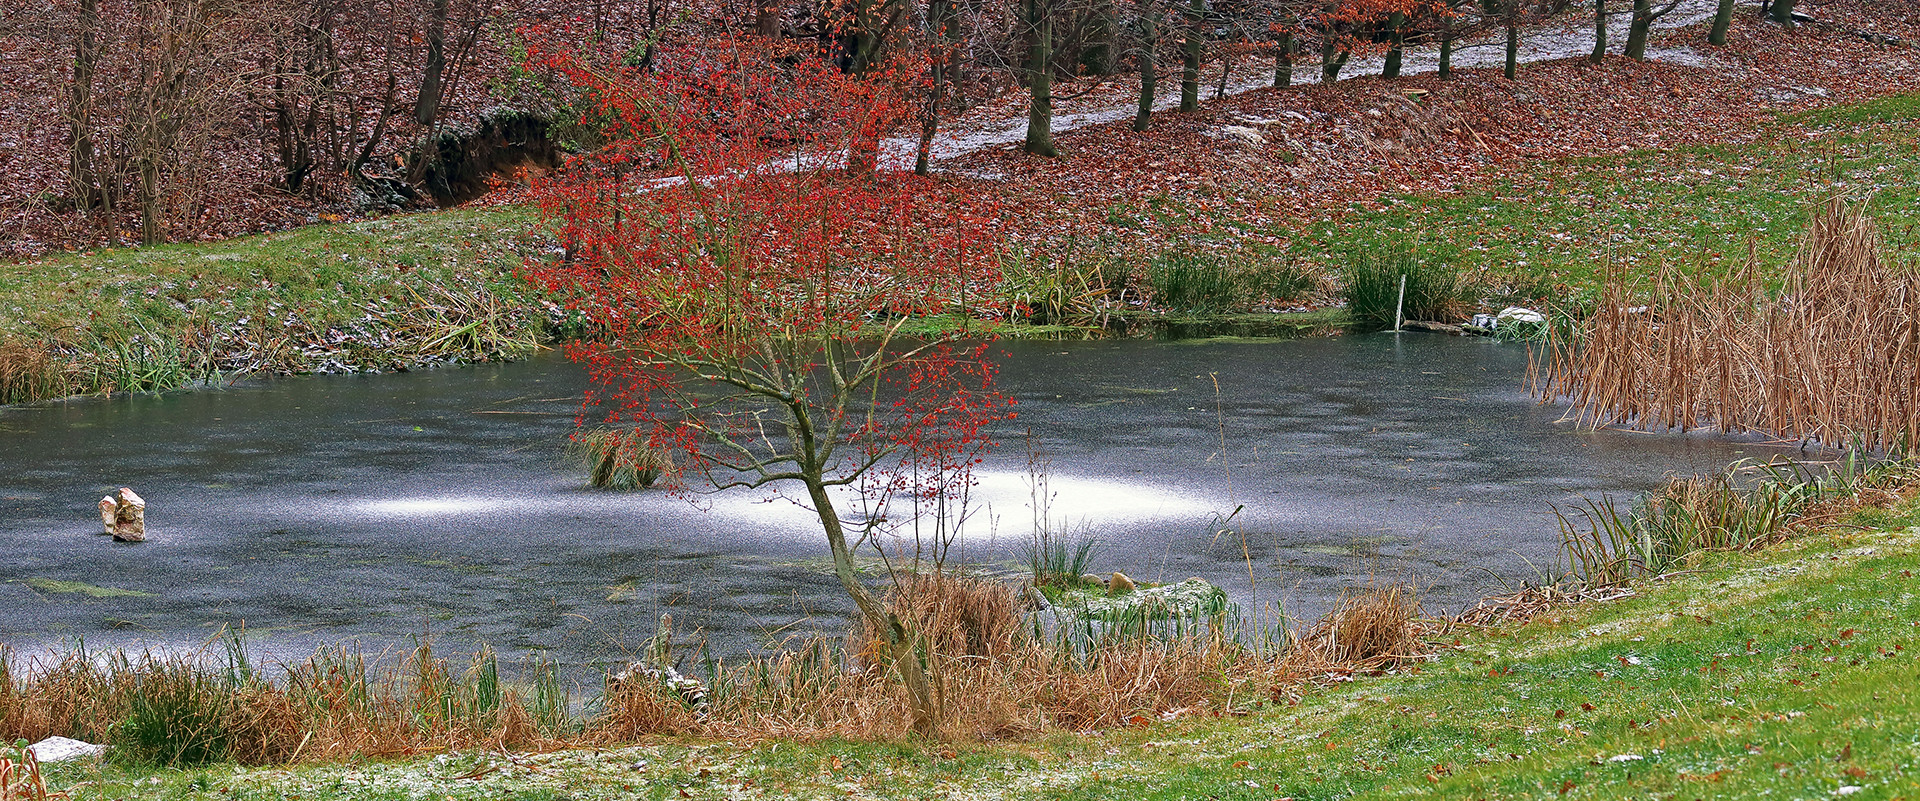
pixel 1791 672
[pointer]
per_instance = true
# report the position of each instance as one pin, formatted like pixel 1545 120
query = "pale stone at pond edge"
pixel 129 523
pixel 61 749
pixel 1120 584
pixel 108 510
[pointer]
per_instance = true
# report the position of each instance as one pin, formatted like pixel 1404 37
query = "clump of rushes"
pixel 1202 282
pixel 1667 527
pixel 619 459
pixel 1435 290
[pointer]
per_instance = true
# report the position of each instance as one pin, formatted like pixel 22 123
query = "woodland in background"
pixel 163 120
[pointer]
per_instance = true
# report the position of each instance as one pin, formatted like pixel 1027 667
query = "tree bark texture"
pixel 1039 15
pixel 1722 21
pixel 1599 32
pixel 427 106
pixel 1190 65
pixel 1144 60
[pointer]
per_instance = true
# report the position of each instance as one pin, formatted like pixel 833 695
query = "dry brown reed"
pixel 179 709
pixel 20 778
pixel 1832 358
pixel 997 677
pixel 29 373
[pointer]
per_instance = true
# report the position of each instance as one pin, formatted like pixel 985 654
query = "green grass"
pixel 1787 673
pixel 1700 207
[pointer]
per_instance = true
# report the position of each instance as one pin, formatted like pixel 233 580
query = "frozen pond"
pixel 373 508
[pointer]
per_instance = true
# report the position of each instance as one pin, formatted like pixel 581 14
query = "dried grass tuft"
pixel 997 676
pixel 29 374
pixel 1372 626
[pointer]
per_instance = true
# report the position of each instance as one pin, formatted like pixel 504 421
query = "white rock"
pixel 1516 314
pixel 109 508
pixel 61 749
pixel 1626 758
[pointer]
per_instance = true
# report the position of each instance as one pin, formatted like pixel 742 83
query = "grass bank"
pixel 1565 222
pixel 1793 671
pixel 381 294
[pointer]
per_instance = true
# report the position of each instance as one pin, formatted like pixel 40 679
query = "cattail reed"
pixel 1829 359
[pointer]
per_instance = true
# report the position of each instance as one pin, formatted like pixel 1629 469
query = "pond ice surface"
pixel 373 508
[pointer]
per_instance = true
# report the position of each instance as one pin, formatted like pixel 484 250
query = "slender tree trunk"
pixel 1190 66
pixel 1722 21
pixel 1513 43
pixel 428 105
pixel 1599 32
pixel 1283 60
pixel 82 184
pixel 1149 70
pixel 1640 30
pixel 942 34
pixel 1332 58
pixel 152 203
pixel 1396 44
pixel 1447 35
pixel 902 645
pixel 1040 78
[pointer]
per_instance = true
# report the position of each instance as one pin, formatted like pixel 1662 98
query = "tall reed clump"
pixel 30 374
pixel 1832 357
pixel 1371 287
pixel 1370 626
pixel 1665 528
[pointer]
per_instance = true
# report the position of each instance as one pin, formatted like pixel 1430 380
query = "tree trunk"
pixel 1782 13
pixel 1513 45
pixel 1149 71
pixel 427 107
pixel 1446 50
pixel 1641 30
pixel 1283 60
pixel 1190 66
pixel 152 202
pixel 766 20
pixel 1040 79
pixel 1396 44
pixel 1599 32
pixel 1722 21
pixel 82 184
